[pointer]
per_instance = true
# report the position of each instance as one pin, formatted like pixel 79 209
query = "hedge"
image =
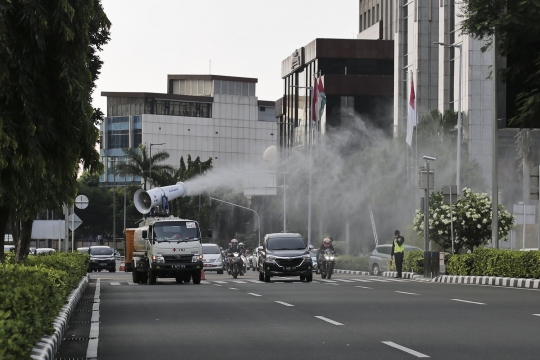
pixel 494 262
pixel 32 294
pixel 350 262
pixel 412 260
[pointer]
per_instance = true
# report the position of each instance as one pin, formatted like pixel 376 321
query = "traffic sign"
pixel 76 222
pixel 81 202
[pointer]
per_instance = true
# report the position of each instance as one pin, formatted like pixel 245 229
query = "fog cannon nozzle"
pixel 146 200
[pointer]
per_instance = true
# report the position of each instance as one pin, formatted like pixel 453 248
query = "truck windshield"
pixel 176 231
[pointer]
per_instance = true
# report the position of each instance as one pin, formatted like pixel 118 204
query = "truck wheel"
pixel 261 276
pixel 135 276
pixel 309 278
pixel 144 277
pixel 187 278
pixel 179 279
pixel 302 277
pixel 266 277
pixel 196 276
pixel 152 277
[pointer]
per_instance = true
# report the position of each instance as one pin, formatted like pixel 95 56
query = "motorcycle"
pixel 326 264
pixel 245 265
pixel 236 265
pixel 225 262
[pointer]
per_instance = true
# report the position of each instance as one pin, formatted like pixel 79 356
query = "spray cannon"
pixel 146 200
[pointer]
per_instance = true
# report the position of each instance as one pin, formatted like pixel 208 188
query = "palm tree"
pixel 138 164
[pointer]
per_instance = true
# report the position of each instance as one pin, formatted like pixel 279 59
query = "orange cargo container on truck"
pixel 129 249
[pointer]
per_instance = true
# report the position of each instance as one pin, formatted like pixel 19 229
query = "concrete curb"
pixel 489 280
pixel 47 347
pixel 454 279
pixel 353 272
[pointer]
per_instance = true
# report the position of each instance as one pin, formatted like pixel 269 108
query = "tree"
pixel 471 217
pixel 138 164
pixel 47 75
pixel 515 27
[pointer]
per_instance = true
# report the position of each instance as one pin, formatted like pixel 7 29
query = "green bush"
pixel 494 262
pixel 412 260
pixel 32 293
pixel 460 264
pixel 350 262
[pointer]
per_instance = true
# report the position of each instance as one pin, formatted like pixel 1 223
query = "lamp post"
pixel 151 161
pixel 243 207
pixel 310 88
pixel 459 125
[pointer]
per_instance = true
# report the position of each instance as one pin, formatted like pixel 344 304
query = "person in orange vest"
pixel 398 249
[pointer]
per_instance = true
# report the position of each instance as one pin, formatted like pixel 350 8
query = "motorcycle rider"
pixel 326 244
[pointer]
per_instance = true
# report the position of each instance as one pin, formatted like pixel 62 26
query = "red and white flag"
pixel 314 99
pixel 412 115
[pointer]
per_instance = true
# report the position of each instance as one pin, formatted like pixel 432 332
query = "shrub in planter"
pixel 350 262
pixel 461 264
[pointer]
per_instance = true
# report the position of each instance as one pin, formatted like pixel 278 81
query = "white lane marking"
pixel 403 348
pixel 362 280
pixel 132 283
pixel 114 283
pixel 239 281
pixel 380 280
pixel 205 282
pixel 536 314
pixel 363 287
pixel 220 282
pixel 256 281
pixel 91 350
pixel 216 284
pixel 331 284
pixel 284 303
pixel 254 294
pixel 406 293
pixel 328 320
pixel 470 302
pixel 330 281
pixel 233 288
pixel 345 280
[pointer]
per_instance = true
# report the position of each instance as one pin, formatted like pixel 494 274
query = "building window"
pixel 137 138
pixel 117 139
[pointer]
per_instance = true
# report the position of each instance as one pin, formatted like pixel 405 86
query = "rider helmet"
pixel 234 242
pixel 327 241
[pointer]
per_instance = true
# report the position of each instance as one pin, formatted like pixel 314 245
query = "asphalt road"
pixel 349 317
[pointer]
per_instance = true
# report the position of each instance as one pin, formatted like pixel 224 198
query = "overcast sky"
pixel 247 38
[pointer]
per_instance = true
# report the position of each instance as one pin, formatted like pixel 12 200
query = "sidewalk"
pixel 454 279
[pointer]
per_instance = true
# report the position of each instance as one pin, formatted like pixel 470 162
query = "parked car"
pixel 101 257
pixel 212 259
pixel 285 254
pixel 378 259
pixel 83 249
pixel 40 251
pixel 9 248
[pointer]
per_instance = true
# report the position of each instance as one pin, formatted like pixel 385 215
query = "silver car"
pixel 378 259
pixel 212 259
pixel 255 258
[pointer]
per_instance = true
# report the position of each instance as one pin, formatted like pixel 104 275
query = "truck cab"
pixel 167 248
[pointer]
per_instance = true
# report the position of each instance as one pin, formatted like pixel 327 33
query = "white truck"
pixel 165 246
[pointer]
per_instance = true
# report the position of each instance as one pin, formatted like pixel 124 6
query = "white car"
pixel 212 260
pixel 255 258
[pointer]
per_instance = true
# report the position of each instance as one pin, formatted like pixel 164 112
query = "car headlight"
pixel 271 258
pixel 306 257
pixel 158 258
pixel 197 258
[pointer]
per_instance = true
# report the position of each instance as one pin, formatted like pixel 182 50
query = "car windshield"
pixel 211 249
pixel 284 243
pixel 101 251
pixel 176 231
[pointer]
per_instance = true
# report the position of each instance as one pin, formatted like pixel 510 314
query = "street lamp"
pixel 310 88
pixel 243 207
pixel 151 161
pixel 459 126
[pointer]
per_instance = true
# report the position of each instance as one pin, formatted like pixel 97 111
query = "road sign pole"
pixel 72 227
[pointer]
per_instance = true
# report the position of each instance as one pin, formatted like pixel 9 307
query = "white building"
pixel 210 116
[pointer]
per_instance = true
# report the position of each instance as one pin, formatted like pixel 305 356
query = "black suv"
pixel 285 254
pixel 101 257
